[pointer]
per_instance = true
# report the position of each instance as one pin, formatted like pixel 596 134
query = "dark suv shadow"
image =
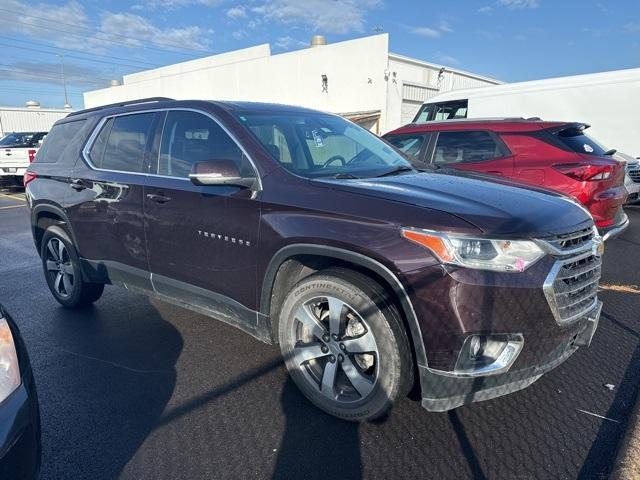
pixel 104 377
pixel 314 444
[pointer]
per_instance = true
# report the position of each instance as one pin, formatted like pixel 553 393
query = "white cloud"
pixel 236 12
pixel 633 27
pixel 175 4
pixel 425 32
pixel 485 9
pixel 287 42
pixel 51 24
pixel 519 4
pixel 431 32
pixel 134 31
pixel 447 59
pixel 323 16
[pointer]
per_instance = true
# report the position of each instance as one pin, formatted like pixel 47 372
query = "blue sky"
pixel 507 39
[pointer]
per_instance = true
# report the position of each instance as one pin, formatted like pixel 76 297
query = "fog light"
pixel 488 354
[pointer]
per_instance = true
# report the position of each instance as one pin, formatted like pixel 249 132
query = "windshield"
pixel 17 139
pixel 316 145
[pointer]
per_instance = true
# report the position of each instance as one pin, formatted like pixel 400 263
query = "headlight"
pixel 479 253
pixel 9 369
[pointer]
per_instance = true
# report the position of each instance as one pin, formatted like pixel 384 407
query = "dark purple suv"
pixel 305 230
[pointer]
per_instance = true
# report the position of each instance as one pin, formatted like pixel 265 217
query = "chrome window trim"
pixel 103 120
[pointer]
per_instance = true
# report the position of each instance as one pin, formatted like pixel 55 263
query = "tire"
pixel 61 265
pixel 335 373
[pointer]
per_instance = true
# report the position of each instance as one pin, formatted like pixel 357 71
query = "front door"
pixel 201 240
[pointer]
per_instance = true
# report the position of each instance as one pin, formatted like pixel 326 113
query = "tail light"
pixel 32 155
pixel 28 177
pixel 582 172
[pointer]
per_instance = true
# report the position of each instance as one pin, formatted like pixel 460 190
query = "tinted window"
pixel 57 141
pixel 579 142
pixel 408 144
pixel 24 139
pixel 456 147
pixel 191 137
pixel 321 145
pixel 121 143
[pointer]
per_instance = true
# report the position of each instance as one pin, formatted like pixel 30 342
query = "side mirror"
pixel 219 172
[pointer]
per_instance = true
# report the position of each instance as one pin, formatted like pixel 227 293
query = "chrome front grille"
pixel 571 288
pixel 568 243
pixel 634 174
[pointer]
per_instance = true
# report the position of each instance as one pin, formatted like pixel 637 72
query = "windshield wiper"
pixel 395 171
pixel 610 152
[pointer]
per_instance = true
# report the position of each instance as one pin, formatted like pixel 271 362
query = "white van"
pixel 609 102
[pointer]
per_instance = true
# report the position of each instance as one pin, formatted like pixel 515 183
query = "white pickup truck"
pixel 17 151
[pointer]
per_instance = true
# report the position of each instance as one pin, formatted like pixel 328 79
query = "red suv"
pixel 555 155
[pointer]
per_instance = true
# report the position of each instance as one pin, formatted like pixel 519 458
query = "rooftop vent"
pixel 32 104
pixel 114 83
pixel 318 41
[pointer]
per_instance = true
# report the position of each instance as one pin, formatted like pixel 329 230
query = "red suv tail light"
pixel 28 177
pixel 582 172
pixel 32 155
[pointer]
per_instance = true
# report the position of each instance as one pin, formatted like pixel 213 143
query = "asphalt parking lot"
pixel 134 388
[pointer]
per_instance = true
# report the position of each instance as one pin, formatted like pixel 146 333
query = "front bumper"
pixel 444 392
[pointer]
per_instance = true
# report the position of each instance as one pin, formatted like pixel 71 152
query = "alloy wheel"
pixel 335 349
pixel 59 267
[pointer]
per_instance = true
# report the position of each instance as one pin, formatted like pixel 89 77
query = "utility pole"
pixel 64 81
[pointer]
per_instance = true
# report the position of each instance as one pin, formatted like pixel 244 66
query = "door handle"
pixel 158 198
pixel 77 185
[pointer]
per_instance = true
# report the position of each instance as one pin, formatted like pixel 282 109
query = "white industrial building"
pixel 31 118
pixel 359 79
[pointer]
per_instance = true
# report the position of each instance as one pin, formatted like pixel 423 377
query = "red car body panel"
pixel 535 158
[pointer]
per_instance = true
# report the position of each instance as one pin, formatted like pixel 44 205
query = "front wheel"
pixel 62 270
pixel 344 344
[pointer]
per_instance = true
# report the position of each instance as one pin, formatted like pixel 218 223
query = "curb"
pixel 627 463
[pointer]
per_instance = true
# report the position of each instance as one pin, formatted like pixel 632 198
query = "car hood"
pixel 493 205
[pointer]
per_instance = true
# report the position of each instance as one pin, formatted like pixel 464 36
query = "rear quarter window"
pixel 468 146
pixel 57 141
pixel 577 141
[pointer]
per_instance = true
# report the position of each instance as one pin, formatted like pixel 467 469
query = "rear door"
pixel 105 200
pixel 479 151
pixel 202 240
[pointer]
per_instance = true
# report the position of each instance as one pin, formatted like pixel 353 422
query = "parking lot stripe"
pixel 15 197
pixel 13 206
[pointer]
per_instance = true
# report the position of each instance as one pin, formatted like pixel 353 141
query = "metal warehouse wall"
pixel 27 120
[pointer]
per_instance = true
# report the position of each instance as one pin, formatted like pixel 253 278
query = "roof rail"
pixel 121 104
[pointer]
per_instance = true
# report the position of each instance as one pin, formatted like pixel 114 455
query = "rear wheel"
pixel 62 270
pixel 344 345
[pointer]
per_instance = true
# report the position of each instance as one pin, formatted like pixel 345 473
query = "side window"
pixel 57 141
pixel 457 147
pixel 450 110
pixel 423 114
pixel 191 137
pixel 121 143
pixel 409 144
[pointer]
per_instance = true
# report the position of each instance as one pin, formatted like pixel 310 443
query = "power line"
pixel 22 72
pixel 67 55
pixel 127 37
pixel 77 51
